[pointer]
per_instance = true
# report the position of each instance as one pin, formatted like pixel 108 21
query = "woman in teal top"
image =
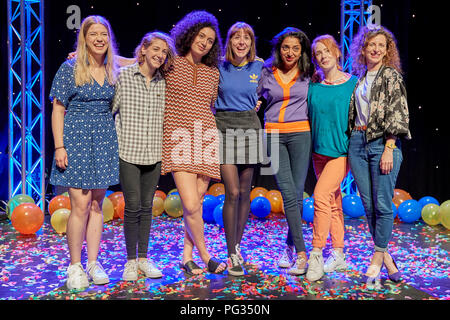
pixel 328 104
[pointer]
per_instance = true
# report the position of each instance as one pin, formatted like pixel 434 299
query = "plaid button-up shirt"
pixel 139 110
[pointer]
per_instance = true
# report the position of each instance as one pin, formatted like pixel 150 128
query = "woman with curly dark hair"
pixel 190 138
pixel 284 84
pixel 378 120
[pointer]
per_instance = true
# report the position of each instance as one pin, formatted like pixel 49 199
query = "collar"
pixel 135 68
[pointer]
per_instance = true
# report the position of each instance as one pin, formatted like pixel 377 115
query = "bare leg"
pixel 80 201
pixel 95 224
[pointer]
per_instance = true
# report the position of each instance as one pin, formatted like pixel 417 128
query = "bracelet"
pixel 63 147
pixel 391 146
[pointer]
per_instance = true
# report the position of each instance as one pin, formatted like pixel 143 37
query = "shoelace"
pixel 234 260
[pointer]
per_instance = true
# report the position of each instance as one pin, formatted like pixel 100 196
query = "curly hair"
pixel 360 42
pixel 304 63
pixel 147 40
pixel 185 31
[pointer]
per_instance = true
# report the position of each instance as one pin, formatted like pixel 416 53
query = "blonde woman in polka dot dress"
pixel 86 151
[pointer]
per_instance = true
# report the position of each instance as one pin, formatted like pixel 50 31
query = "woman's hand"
pixel 61 158
pixel 387 161
pixel 71 55
pixel 258 105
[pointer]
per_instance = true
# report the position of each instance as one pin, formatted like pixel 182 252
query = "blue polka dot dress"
pixel 89 133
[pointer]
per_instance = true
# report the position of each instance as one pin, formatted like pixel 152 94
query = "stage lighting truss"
pixel 26 103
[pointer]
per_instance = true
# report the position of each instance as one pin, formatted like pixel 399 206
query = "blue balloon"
pixel 221 198
pixel 218 214
pixel 108 192
pixel 308 209
pixel 209 204
pixel 260 207
pixel 409 211
pixel 394 210
pixel 427 200
pixel 352 206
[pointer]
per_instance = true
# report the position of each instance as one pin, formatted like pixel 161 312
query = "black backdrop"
pixel 425 170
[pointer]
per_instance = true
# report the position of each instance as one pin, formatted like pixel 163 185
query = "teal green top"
pixel 328 107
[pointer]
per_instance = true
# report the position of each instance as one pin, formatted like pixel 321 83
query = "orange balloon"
pixel 216 189
pixel 115 198
pixel 161 194
pixel 400 196
pixel 276 201
pixel 59 202
pixel 258 192
pixel 27 218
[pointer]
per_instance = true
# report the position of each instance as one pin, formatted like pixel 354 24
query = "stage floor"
pixel 34 267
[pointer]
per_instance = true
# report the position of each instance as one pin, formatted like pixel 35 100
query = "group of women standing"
pixel 180 107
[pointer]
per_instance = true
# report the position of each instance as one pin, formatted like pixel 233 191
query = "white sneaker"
pixel 96 273
pixel 130 271
pixel 76 277
pixel 335 262
pixel 287 259
pixel 299 267
pixel 315 266
pixel 238 252
pixel 149 268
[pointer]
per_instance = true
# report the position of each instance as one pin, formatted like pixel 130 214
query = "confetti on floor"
pixel 34 267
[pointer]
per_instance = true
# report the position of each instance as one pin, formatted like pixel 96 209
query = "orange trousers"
pixel 328 215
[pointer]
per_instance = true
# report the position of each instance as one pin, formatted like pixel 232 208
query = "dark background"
pixel 425 170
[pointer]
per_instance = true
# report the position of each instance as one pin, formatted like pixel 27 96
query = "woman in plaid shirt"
pixel 138 108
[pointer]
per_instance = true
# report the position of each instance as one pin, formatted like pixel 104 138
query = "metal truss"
pixel 26 103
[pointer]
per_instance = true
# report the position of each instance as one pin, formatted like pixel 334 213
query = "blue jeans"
pixel 294 157
pixel 376 189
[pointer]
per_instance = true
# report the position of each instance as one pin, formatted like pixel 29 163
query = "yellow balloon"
pixel 173 206
pixel 444 213
pixel 59 220
pixel 430 214
pixel 108 210
pixel 158 206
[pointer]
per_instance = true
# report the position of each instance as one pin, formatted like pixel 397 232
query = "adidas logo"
pixel 254 78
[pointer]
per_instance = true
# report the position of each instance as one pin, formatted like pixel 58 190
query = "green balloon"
pixel 430 214
pixel 15 201
pixel 444 213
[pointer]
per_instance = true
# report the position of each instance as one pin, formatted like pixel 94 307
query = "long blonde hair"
pixel 82 74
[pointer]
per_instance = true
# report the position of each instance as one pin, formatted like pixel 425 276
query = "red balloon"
pixel 27 218
pixel 117 200
pixel 59 202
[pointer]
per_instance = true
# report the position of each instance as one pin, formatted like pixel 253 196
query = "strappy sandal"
pixel 189 266
pixel 213 264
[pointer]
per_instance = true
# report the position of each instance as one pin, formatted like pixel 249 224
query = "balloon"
pixel 352 206
pixel 59 220
pixel 308 209
pixel 430 214
pixel 426 200
pixel 444 213
pixel 27 218
pixel 409 211
pixel 400 196
pixel 161 194
pixel 216 189
pixel 218 214
pixel 158 206
pixel 173 206
pixel 171 191
pixel 108 193
pixel 260 207
pixel 258 192
pixel 394 210
pixel 118 202
pixel 305 195
pixel 107 209
pixel 221 198
pixel 209 204
pixel 276 201
pixel 59 202
pixel 15 201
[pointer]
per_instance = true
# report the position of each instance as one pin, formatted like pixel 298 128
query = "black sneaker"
pixel 234 267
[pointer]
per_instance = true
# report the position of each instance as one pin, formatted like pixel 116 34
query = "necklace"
pixel 335 81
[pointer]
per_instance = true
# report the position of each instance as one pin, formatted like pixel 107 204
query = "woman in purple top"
pixel 284 85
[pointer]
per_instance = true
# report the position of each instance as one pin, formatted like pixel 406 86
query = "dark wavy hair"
pixel 185 31
pixel 304 63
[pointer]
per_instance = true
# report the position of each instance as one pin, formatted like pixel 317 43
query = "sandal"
pixel 189 266
pixel 213 264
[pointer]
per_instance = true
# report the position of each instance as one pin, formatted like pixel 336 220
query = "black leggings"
pixel 237 180
pixel 139 184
